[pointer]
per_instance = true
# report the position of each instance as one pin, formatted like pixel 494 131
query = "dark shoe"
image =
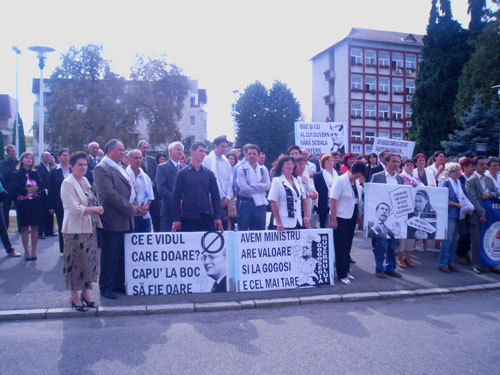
pixel 453 268
pixel 477 270
pixel 27 259
pixel 393 274
pixel 351 260
pixel 90 304
pixel 495 270
pixel 119 290
pixel 443 269
pixel 380 274
pixel 78 308
pixel 109 295
pixel 463 260
pixel 33 258
pixel 13 254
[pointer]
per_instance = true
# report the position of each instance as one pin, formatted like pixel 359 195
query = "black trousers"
pixel 112 275
pixel 342 239
pixel 5 237
pixel 204 224
pixel 46 226
pixel 60 218
pixel 322 219
pixel 6 205
pixel 154 210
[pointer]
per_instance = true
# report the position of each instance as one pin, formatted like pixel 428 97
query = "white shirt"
pixel 390 180
pixel 65 172
pixel 253 183
pixel 142 187
pixel 344 195
pixel 496 180
pixel 278 194
pixel 223 174
pixel 482 181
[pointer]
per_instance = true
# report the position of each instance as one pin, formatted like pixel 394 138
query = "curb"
pixel 57 313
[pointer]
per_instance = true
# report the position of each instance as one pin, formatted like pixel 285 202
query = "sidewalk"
pixel 39 286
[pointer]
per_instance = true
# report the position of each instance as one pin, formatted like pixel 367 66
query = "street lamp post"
pixel 497 87
pixel 235 92
pixel 16 122
pixel 41 51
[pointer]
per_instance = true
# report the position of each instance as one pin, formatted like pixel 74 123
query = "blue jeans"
pixel 385 249
pixel 448 249
pixel 141 225
pixel 250 216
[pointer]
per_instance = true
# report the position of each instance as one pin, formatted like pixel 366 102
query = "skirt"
pixel 81 262
pixel 28 212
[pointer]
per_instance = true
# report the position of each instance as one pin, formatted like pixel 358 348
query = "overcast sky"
pixel 225 45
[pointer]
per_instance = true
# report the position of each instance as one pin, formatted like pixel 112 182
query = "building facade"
pixel 7 117
pixel 367 81
pixel 193 121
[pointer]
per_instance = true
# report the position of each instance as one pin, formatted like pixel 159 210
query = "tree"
pixel 157 95
pixel 480 125
pixel 86 102
pixel 187 142
pixel 445 51
pixel 22 140
pixel 482 72
pixel 476 10
pixel 266 118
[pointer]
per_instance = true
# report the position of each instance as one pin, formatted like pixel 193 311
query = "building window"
pixel 356 83
pixel 193 101
pixel 370 111
pixel 383 59
pixel 369 135
pixel 408 112
pixel 371 84
pixel 411 62
pixel 383 111
pixel 356 135
pixel 397 113
pixel 397 134
pixel 192 120
pixel 383 85
pixel 383 133
pixel 356 149
pixel 397 60
pixel 356 58
pixel 370 58
pixel 410 87
pixel 356 110
pixel 397 86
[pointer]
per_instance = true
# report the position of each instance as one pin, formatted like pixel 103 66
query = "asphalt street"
pixel 451 334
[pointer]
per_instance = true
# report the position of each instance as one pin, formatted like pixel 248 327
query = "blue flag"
pixel 490 234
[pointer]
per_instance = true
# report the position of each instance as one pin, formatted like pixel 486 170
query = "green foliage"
pixel 157 94
pixel 2 148
pixel 482 72
pixel 22 140
pixel 477 11
pixel 187 142
pixel 266 118
pixel 480 125
pixel 446 50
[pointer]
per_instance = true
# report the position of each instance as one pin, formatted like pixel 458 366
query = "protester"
pixel 165 178
pixel 447 251
pixel 380 167
pixel 437 167
pixel 81 217
pixel 492 172
pixel 4 236
pixel 345 207
pixel 144 194
pixel 93 160
pixel 197 188
pixel 294 151
pixel 423 174
pixel 27 187
pixel 310 166
pixel 253 182
pixel 8 168
pixel 385 248
pixel 479 187
pixel 323 183
pixel 302 174
pixel 149 165
pixel 160 158
pixel 336 162
pixel 262 158
pixel 217 162
pixel 231 158
pixel 286 195
pixel 464 242
pixel 115 195
pixel 372 164
pixel 56 178
pixel 347 161
pixel 46 227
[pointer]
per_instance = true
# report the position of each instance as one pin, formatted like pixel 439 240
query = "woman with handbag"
pixel 27 186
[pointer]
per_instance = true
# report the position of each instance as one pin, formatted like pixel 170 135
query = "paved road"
pixel 452 334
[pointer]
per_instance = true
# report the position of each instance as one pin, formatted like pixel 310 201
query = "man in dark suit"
pixel 8 170
pixel 92 162
pixel 379 229
pixel 385 248
pixel 149 166
pixel 46 218
pixel 116 196
pixel 56 177
pixel 380 167
pixel 216 267
pixel 165 178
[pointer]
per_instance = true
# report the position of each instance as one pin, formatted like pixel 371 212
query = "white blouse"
pixel 278 194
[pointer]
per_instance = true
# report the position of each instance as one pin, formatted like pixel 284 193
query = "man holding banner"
pixel 384 247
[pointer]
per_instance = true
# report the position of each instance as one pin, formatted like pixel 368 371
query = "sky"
pixel 225 45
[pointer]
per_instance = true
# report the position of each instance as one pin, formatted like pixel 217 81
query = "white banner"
pixel 396 146
pixel 292 259
pixel 322 137
pixel 403 211
pixel 176 263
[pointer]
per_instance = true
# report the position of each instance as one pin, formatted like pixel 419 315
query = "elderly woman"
pixel 302 174
pixel 345 206
pixel 27 186
pixel 81 217
pixel 323 182
pixel 286 196
pixel 420 172
pixel 456 195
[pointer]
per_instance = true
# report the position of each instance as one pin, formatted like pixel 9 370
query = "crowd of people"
pixel 99 195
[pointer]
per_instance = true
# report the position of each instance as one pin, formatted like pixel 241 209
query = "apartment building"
pixel 367 81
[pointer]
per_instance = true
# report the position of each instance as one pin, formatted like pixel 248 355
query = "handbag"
pixel 231 209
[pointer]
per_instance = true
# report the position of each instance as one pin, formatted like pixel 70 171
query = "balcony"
pixel 329 75
pixel 329 99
